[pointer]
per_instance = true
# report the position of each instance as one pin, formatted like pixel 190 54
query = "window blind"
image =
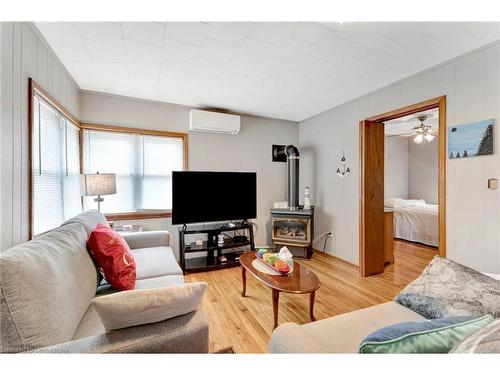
pixel 143 166
pixel 55 167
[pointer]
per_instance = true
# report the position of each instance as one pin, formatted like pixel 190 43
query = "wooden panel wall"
pixel 24 54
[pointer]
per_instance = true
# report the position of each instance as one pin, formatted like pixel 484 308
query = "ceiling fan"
pixel 421 133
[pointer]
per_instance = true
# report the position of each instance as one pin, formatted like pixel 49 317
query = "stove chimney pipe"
pixel 293 158
pixel 291 154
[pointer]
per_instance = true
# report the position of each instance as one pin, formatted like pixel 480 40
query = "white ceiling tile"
pixel 193 33
pixel 172 84
pixel 208 67
pixel 310 31
pixel 218 51
pixel 406 43
pixel 147 68
pixel 273 32
pixel 453 36
pixel 230 32
pixel 63 32
pixel 105 67
pixel 145 32
pixel 78 46
pixel 483 30
pixel 294 48
pixel 105 51
pixel 243 67
pixel 75 54
pixel 284 70
pixel 253 49
pixel 396 31
pixel 175 67
pixel 415 62
pixel 280 67
pixel 180 51
pixel 142 51
pixel 104 32
pixel 328 47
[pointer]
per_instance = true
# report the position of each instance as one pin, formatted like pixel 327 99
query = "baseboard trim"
pixel 337 258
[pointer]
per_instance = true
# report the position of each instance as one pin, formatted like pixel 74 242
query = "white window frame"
pixel 140 214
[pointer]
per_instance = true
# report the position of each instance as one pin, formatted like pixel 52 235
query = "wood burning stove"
pixel 292 227
pixel 288 229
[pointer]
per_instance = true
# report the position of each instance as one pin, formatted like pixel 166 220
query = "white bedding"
pixel 417 224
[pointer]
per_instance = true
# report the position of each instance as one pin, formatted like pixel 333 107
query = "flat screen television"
pixel 199 197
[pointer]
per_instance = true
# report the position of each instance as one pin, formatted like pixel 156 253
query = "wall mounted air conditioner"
pixel 213 122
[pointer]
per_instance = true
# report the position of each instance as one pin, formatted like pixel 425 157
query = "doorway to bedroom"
pixel 402 203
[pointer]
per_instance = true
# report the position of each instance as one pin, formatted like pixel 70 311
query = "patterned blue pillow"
pixel 446 288
pixel 429 336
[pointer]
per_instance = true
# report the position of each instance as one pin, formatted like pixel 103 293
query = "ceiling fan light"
pixel 429 137
pixel 418 138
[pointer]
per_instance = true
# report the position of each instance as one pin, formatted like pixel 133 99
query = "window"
pixel 55 166
pixel 143 162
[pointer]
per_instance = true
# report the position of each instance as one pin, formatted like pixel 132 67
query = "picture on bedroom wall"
pixel 469 140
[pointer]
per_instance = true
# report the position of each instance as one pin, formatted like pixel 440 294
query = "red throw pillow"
pixel 113 257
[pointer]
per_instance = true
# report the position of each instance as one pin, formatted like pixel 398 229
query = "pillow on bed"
pixel 413 203
pixel 399 202
pixel 394 202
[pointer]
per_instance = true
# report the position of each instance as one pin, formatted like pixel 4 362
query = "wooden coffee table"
pixel 302 280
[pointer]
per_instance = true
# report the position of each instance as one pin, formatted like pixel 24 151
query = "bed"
pixel 415 220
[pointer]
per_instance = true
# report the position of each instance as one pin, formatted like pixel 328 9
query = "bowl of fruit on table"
pixel 273 261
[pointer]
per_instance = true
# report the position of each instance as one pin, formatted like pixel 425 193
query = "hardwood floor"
pixel 245 323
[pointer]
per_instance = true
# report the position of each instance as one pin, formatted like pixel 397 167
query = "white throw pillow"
pixel 413 203
pixel 394 202
pixel 135 307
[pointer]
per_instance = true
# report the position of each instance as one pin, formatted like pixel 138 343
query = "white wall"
pixel 411 170
pixel 472 86
pixel 250 150
pixel 396 168
pixel 423 171
pixel 23 54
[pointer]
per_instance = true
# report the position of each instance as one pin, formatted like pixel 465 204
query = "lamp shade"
pixel 98 184
pixel 418 138
pixel 429 137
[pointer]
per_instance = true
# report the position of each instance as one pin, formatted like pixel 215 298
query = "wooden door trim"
pixel 376 265
pixel 440 104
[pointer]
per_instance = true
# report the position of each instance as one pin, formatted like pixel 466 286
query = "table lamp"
pixel 97 184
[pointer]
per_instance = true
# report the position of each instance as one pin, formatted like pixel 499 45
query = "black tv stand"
pixel 210 255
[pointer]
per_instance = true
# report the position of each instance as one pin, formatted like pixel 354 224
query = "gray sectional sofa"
pixel 47 286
